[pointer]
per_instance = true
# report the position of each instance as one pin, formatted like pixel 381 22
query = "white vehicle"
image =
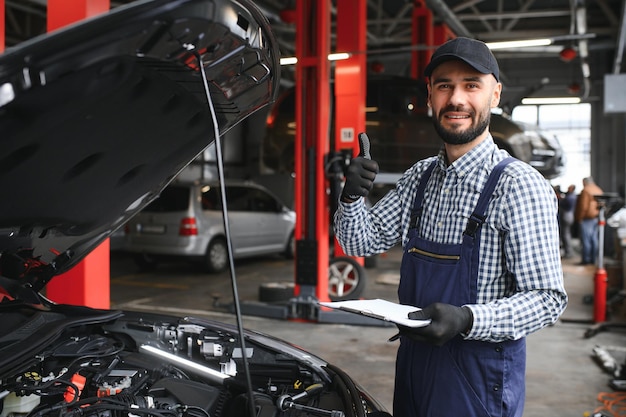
pixel 186 222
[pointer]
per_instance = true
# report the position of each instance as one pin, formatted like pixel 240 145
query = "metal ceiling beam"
pixel 621 42
pixel 449 18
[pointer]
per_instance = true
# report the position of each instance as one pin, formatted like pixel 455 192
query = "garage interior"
pixel 584 60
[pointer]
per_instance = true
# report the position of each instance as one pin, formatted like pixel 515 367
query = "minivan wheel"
pixel 216 257
pixel 346 279
pixel 145 262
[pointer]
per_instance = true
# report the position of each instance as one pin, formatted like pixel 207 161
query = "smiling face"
pixel 461 99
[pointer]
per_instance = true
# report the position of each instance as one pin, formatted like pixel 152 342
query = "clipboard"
pixel 379 309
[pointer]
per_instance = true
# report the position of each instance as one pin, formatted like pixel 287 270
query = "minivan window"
pixel 261 201
pixel 211 199
pixel 240 199
pixel 171 199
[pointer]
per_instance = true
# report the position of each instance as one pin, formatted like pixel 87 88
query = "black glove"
pixel 360 174
pixel 447 321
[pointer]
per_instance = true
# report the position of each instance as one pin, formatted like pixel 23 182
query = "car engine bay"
pixel 146 365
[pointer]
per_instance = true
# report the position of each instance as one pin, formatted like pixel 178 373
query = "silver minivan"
pixel 186 221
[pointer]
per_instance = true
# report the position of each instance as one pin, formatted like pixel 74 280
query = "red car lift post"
pixel 427 35
pixel 2 26
pixel 88 283
pixel 350 98
pixel 311 147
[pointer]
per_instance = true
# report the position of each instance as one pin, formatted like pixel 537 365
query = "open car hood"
pixel 99 117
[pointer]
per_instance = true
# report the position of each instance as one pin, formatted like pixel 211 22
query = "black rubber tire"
pixel 145 262
pixel 346 279
pixel 290 249
pixel 370 261
pixel 216 256
pixel 272 292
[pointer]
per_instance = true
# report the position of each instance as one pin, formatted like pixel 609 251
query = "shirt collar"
pixel 477 156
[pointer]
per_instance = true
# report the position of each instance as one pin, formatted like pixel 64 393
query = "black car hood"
pixel 96 119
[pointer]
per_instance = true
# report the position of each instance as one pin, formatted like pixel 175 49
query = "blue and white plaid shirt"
pixel 520 278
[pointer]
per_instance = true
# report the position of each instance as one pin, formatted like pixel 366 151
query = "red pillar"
pixel 312 146
pixel 88 283
pixel 350 78
pixel 425 33
pixel 2 26
pixel 64 12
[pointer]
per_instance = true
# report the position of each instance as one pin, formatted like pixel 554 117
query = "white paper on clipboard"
pixel 379 309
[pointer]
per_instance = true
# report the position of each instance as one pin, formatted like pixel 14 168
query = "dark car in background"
pixel 401 131
pixel 96 120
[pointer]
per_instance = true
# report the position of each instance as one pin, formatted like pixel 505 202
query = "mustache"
pixel 451 108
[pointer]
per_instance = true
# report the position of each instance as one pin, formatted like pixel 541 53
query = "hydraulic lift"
pixel 318 168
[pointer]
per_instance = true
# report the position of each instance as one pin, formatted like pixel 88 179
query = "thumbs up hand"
pixel 360 174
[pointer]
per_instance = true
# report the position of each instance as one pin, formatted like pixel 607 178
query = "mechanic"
pixel 480 243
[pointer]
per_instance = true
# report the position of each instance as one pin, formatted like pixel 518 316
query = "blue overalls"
pixel 466 378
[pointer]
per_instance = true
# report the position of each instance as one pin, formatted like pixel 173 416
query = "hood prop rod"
pixel 233 280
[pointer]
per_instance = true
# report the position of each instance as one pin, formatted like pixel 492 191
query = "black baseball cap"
pixel 471 51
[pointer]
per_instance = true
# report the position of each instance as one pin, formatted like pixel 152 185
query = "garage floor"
pixel 563 377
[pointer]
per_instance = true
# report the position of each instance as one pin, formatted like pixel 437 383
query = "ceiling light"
pixel 551 100
pixel 519 44
pixel 339 56
pixel 292 60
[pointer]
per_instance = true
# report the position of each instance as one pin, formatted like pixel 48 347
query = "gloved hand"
pixel 447 321
pixel 360 174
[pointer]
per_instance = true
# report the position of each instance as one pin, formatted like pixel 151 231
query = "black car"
pixel 96 120
pixel 401 131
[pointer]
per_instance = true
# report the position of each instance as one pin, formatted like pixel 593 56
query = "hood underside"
pixel 98 118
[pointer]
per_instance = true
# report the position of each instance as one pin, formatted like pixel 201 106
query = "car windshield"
pixel 171 199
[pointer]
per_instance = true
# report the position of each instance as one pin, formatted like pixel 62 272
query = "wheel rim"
pixel 218 256
pixel 342 279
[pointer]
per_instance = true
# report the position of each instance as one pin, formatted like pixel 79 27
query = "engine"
pixel 139 368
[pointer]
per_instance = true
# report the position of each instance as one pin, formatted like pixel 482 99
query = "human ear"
pixel 495 96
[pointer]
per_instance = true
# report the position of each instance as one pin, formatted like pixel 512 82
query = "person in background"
pixel 586 215
pixel 567 204
pixel 481 254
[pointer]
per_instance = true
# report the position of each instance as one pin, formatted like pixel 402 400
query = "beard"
pixel 459 137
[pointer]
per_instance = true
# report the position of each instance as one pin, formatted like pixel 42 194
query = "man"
pixel 567 204
pixel 481 257
pixel 586 215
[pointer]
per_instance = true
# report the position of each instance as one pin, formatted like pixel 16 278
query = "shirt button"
pixel 496 387
pixel 439 224
pixel 498 349
pixel 447 191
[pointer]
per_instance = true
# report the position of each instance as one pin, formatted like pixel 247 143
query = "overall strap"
pixel 478 216
pixel 416 211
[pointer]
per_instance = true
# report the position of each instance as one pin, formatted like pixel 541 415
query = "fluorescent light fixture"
pixel 519 44
pixel 292 60
pixel 338 56
pixel 551 100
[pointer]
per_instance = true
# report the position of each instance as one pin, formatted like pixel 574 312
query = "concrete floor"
pixel 563 378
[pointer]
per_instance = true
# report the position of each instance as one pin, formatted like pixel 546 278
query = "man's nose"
pixel 456 97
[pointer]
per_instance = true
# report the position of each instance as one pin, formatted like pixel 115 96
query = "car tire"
pixel 145 262
pixel 216 256
pixel 290 249
pixel 346 279
pixel 272 292
pixel 370 261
